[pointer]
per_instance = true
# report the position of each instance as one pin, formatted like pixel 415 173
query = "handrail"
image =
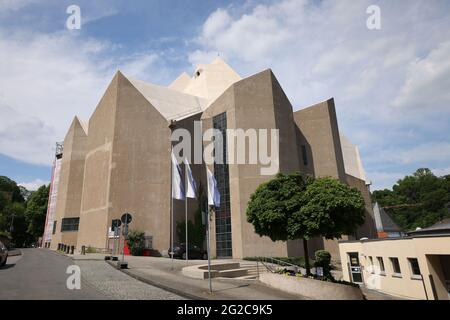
pixel 266 260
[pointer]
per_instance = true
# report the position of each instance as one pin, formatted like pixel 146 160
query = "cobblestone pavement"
pixel 118 285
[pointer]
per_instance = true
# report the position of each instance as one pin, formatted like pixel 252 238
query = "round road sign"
pixel 126 218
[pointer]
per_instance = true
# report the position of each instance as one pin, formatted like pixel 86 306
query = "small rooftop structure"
pixel 440 228
pixel 386 227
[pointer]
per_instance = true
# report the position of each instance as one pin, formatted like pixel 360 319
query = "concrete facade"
pixel 121 161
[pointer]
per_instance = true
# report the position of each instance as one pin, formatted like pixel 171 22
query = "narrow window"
pixel 381 264
pixel 305 156
pixel 415 269
pixel 54 227
pixel 395 266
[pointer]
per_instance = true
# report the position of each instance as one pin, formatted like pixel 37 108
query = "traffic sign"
pixel 126 218
pixel 115 224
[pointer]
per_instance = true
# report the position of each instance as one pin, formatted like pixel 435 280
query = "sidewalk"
pixel 162 273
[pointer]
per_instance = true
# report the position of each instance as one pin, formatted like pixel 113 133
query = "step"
pixel 233 273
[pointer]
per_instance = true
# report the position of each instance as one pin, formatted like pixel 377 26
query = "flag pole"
pixel 186 210
pixel 208 230
pixel 171 208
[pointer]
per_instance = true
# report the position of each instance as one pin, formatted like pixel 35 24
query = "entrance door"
pixel 355 267
pixel 445 265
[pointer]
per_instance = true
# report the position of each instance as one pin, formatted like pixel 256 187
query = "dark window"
pixel 381 264
pixel 69 224
pixel 54 227
pixel 395 265
pixel 414 266
pixel 305 156
pixel 223 213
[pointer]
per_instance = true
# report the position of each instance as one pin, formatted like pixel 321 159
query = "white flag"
pixel 191 187
pixel 177 186
pixel 213 192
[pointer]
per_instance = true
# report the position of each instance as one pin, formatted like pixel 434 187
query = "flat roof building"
pixel 120 160
pixel 415 267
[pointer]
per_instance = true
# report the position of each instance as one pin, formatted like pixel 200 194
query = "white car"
pixel 3 254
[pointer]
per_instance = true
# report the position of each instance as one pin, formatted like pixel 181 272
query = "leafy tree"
pixel 291 207
pixel 419 200
pixel 36 211
pixel 330 209
pixel 9 187
pixel 273 205
pixel 136 242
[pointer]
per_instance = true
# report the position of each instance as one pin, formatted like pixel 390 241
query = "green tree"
pixel 273 205
pixel 291 207
pixel 36 211
pixel 10 188
pixel 418 200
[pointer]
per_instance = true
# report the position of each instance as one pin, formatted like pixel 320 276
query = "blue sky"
pixel 391 86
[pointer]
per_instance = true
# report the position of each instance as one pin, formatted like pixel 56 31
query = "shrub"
pixel 136 242
pixel 323 260
pixel 90 249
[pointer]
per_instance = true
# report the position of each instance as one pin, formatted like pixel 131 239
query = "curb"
pixel 157 284
pixel 15 254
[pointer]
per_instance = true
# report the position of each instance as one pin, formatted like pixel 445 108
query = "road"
pixel 41 274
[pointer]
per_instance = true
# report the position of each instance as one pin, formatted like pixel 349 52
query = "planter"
pixel 314 289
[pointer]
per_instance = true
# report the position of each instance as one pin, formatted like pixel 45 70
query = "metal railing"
pixel 272 264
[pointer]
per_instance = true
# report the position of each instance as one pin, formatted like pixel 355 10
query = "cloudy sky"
pixel 391 86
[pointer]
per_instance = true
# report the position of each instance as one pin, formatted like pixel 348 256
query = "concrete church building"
pixel 119 161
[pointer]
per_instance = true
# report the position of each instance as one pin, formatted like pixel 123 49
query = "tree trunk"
pixel 306 252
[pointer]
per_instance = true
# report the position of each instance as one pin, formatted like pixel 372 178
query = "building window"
pixel 304 155
pixel 396 266
pixel 223 213
pixel 54 227
pixel 415 269
pixel 381 264
pixel 371 266
pixel 69 224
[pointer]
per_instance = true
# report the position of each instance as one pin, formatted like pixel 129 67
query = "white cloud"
pixel 46 80
pixel 428 81
pixel 441 171
pixel 14 5
pixel 33 185
pixel 421 154
pixel 390 86
pixel 216 23
pixel 384 180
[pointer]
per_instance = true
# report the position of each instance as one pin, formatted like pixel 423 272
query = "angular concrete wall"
pixel 71 183
pixel 318 131
pixel 140 165
pixel 95 201
pixel 257 102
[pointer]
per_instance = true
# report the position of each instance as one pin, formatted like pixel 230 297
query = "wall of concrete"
pixel 71 183
pixel 257 102
pixel 95 203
